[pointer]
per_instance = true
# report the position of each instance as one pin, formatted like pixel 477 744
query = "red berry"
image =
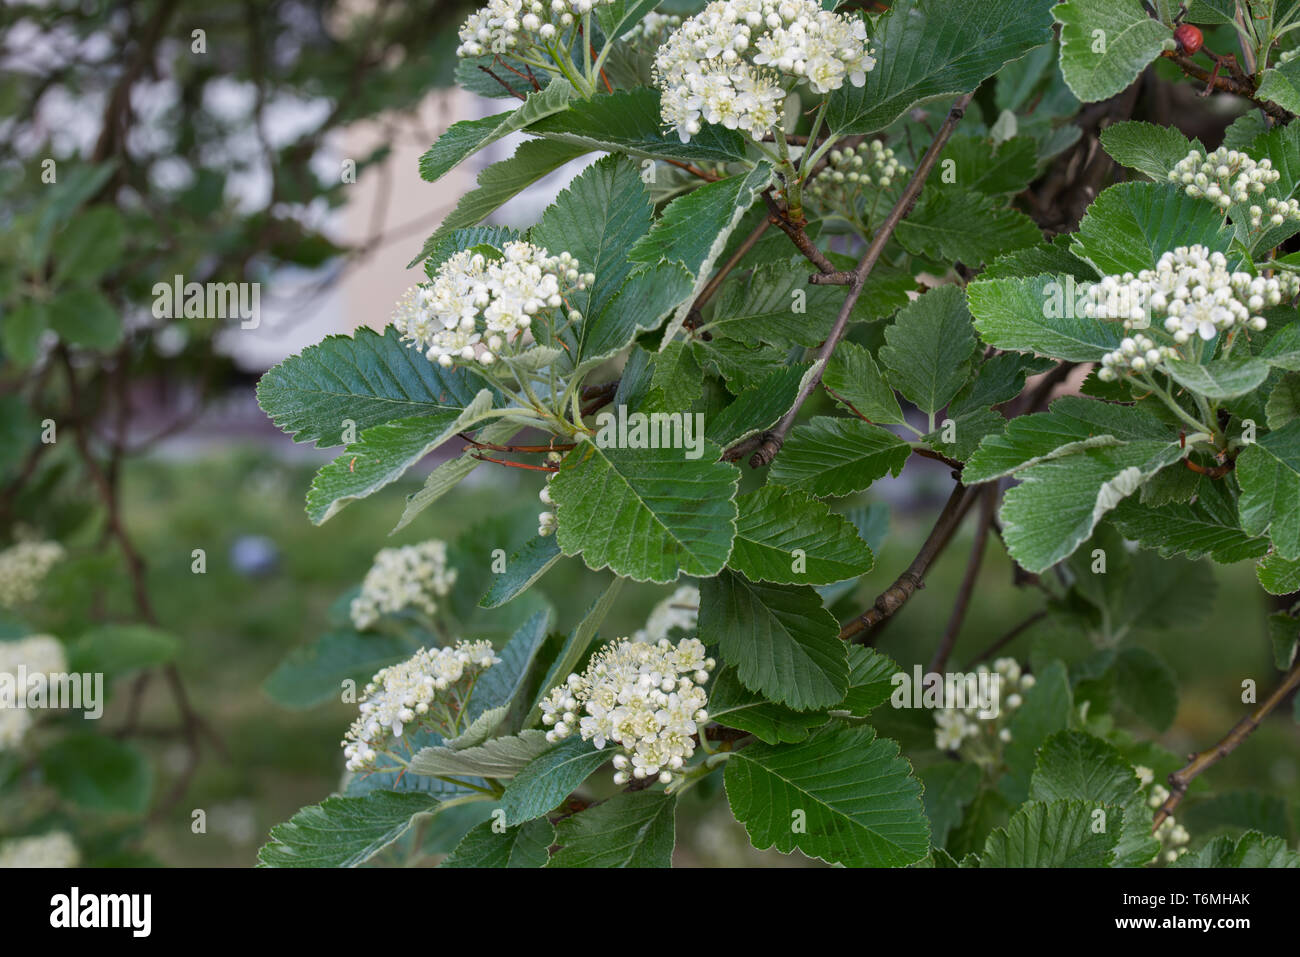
pixel 1189 39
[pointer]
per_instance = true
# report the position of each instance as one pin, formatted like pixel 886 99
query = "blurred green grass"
pixel 236 629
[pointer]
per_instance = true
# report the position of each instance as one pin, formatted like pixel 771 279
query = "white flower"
pixel 54 849
pixel 477 308
pixel 645 697
pixel 520 27
pixel 408 577
pixel 39 655
pixel 1194 294
pixel 1224 177
pixel 406 694
pixel 23 567
pixel 735 61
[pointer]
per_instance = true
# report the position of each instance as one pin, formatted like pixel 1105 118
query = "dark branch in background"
pixel 988 496
pixel 1237 83
pixel 1012 634
pixel 913 577
pixel 1199 763
pixel 772 441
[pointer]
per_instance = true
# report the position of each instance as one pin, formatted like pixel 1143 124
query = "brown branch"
pixel 1236 83
pixel 772 440
pixel 1011 635
pixel 988 496
pixel 693 170
pixel 1199 763
pixel 913 577
pixel 798 236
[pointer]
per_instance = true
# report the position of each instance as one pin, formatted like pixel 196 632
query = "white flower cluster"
pixel 681 610
pixel 23 566
pixel 412 576
pixel 1135 354
pixel 517 26
pixel 735 62
pixel 1224 177
pixel 546 520
pixel 405 693
pixel 476 304
pixel 653 27
pixel 39 654
pixel 850 170
pixel 1192 290
pixel 1173 837
pixel 55 849
pixel 955 726
pixel 647 698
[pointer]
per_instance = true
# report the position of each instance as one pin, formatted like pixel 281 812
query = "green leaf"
pixel 525 846
pixel 1279 576
pixel 1281 84
pixel 98 773
pixel 871 681
pixel 22 330
pixel 988 167
pixel 1039 315
pixel 1206 527
pixel 89 247
pixel 860 804
pixel 1071 425
pixel 929 347
pixel 775 522
pixel 926 49
pixel 1077 766
pixel 500 182
pixel 549 779
pixel 1284 634
pixel 116 650
pixel 1060 501
pixel 693 230
pixel 1148 147
pixel 1219 378
pixel 1097 65
pixel 467 137
pixel 939 228
pixel 949 790
pixel 649 295
pixel 83 317
pixel 597 219
pixel 366 379
pixel 1269 474
pixel 853 377
pixel 382 455
pixel 761 307
pixel 1045 710
pixel 1244 810
pixel 502 685
pixel 648 514
pixel 314 673
pixel 1130 226
pixel 758 407
pixel 779 638
pixel 831 456
pixel 498 758
pixel 1284 401
pixel 1056 834
pixel 627 830
pixel 735 706
pixel 524 567
pixel 1250 850
pixel 344 831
